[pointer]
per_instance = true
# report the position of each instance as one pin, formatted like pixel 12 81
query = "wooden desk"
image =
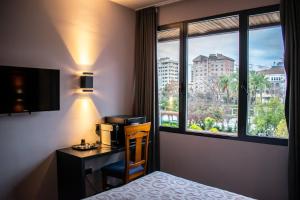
pixel 72 169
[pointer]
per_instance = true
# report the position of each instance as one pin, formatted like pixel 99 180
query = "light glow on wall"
pixel 85 31
pixel 84 115
pixel 80 25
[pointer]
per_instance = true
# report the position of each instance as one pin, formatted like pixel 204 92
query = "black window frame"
pixel 243 77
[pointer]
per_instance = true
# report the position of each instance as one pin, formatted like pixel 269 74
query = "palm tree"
pixel 224 85
pixel 229 83
pixel 258 82
pixel 234 84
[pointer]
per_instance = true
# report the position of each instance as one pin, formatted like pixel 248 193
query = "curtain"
pixel 145 75
pixel 290 15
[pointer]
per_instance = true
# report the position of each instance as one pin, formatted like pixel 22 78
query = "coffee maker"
pixel 112 131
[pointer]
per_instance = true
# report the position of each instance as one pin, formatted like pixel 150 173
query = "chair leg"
pixel 104 181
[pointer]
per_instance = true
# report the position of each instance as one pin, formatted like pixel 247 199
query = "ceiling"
pixel 229 23
pixel 138 4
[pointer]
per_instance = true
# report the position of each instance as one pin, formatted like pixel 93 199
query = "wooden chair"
pixel 130 169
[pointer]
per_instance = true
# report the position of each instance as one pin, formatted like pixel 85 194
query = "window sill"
pixel 255 139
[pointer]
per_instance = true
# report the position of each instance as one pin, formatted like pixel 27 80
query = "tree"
pixel 224 85
pixel 209 123
pixel 267 116
pixel 169 97
pixel 281 129
pixel 258 83
pixel 234 84
pixel 229 84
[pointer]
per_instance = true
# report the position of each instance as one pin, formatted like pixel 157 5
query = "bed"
pixel 160 185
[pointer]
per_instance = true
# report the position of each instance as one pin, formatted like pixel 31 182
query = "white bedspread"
pixel 163 186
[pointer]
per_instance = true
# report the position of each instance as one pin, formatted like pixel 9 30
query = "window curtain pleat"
pixel 290 19
pixel 145 75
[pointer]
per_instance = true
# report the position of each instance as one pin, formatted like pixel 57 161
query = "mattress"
pixel 159 185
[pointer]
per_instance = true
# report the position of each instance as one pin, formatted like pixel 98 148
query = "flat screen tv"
pixel 25 89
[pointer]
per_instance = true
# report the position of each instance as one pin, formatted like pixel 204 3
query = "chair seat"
pixel 118 169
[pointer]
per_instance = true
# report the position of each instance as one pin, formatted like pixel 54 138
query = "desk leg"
pixel 70 176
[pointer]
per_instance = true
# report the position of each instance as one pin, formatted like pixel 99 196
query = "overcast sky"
pixel 265 46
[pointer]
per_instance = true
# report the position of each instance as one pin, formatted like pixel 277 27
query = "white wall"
pixel 252 169
pixel 73 36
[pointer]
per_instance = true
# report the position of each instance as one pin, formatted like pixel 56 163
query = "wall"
pixel 255 170
pixel 72 36
pixel 252 169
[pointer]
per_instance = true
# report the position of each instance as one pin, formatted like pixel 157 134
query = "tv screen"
pixel 28 89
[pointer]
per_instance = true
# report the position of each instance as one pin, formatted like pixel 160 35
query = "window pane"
pixel 212 98
pixel 267 81
pixel 168 77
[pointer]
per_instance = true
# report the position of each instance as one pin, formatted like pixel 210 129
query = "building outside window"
pixel 225 77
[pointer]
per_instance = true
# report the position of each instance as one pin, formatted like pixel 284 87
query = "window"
pixel 212 97
pixel 168 91
pixel 229 79
pixel 266 93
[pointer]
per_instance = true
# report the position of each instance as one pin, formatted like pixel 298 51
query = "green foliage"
pixel 195 127
pixel 229 129
pixel 224 84
pixel 170 124
pixel 258 83
pixel 228 84
pixel 281 129
pixel 169 104
pixel 212 110
pixel 214 130
pixel 209 123
pixel 267 116
pixel 169 99
pixel 197 113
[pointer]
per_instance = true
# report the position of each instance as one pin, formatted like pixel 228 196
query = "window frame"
pixel 243 76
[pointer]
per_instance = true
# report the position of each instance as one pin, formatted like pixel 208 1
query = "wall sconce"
pixel 86 82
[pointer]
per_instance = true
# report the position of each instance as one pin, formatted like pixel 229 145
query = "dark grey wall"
pixel 73 36
pixel 256 170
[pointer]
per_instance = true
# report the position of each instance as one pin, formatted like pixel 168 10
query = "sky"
pixel 265 46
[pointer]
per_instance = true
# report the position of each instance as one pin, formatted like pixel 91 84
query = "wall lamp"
pixel 86 82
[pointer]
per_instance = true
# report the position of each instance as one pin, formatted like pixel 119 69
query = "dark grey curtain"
pixel 145 75
pixel 290 19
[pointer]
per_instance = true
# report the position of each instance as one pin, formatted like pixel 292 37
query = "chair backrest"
pixel 140 134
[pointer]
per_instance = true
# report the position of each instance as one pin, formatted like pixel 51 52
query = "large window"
pixel 224 77
pixel 267 79
pixel 213 67
pixel 168 77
